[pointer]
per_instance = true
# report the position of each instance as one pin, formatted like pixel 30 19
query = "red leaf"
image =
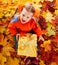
pixel 42 22
pixel 1 48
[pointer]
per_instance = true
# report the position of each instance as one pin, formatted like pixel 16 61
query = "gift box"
pixel 27 45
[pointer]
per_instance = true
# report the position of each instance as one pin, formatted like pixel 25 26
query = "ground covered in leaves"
pixel 47 16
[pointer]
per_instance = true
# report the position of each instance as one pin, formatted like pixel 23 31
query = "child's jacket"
pixel 18 27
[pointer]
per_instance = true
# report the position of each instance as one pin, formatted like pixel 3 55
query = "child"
pixel 24 23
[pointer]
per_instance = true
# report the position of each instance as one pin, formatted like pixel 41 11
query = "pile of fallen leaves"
pixel 47 16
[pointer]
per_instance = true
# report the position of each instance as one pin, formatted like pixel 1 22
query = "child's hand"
pixel 41 38
pixel 17 37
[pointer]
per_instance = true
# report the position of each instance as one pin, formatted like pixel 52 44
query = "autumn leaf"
pixel 46 45
pixel 48 16
pixel 50 29
pixel 7 46
pixel 1 14
pixel 37 13
pixel 3 41
pixel 41 62
pixel 2 59
pixel 6 40
pixel 6 51
pixel 36 4
pixel 45 31
pixel 56 12
pixel 50 32
pixel 12 61
pixel 2 29
pixel 56 4
pixel 42 22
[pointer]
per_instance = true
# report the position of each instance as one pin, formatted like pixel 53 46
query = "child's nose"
pixel 24 18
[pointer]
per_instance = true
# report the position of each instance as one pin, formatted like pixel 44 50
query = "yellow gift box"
pixel 27 45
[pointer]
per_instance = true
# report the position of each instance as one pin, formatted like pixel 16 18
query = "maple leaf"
pixel 45 31
pixel 56 12
pixel 1 48
pixel 50 29
pixel 37 5
pixel 48 5
pixel 2 29
pixel 7 32
pixel 6 40
pixel 46 45
pixel 41 62
pixel 12 61
pixel 6 51
pixel 7 46
pixel 3 41
pixel 2 59
pixel 1 14
pixel 42 22
pixel 48 16
pixel 56 4
pixel 8 14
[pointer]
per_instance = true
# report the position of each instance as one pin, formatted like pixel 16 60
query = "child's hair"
pixel 29 7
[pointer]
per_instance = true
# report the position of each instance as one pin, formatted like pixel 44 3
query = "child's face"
pixel 25 16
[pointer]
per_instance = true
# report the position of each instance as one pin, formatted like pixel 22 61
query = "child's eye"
pixel 23 15
pixel 27 17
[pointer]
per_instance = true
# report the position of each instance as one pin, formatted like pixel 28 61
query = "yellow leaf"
pixel 1 14
pixel 56 12
pixel 3 41
pixel 7 46
pixel 36 4
pixel 2 59
pixel 46 45
pixel 6 51
pixel 2 29
pixel 46 42
pixel 48 16
pixel 50 29
pixel 41 62
pixel 12 61
pixel 56 4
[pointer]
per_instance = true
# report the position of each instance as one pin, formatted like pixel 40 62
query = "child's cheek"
pixel 21 15
pixel 26 20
